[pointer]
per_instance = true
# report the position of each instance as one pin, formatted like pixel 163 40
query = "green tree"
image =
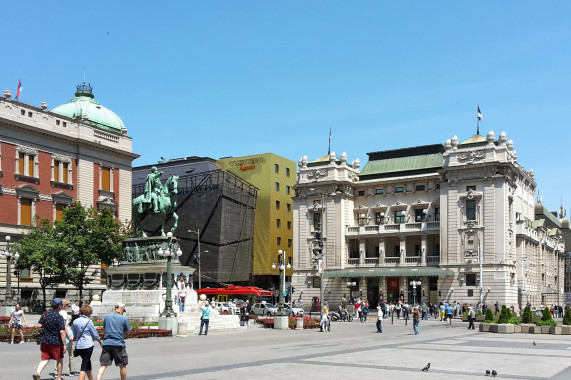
pixel 504 315
pixel 90 237
pixel 546 315
pixel 527 317
pixel 567 317
pixel 489 315
pixel 41 251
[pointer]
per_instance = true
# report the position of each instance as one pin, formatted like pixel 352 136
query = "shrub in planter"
pixel 489 315
pixel 567 317
pixel 514 321
pixel 527 317
pixel 550 322
pixel 546 316
pixel 505 315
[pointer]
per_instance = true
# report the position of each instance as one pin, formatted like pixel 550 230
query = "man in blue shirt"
pixel 205 318
pixel 113 346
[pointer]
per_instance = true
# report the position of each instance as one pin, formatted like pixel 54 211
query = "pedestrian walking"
pixel 365 310
pixel 424 309
pixel 113 345
pixel 324 323
pixel 75 310
pixel 85 333
pixel 471 318
pixel 182 296
pixel 245 311
pixel 52 345
pixel 68 338
pixel 380 314
pixel 15 323
pixel 205 318
pixel 415 320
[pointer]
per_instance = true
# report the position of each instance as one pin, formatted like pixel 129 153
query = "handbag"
pixel 75 353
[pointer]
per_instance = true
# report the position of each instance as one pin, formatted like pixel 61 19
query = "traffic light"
pixel 440 293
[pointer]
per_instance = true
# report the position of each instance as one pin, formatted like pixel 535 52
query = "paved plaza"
pixel 350 351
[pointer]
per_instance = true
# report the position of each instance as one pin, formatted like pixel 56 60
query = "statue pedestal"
pixel 142 288
pixel 169 323
pixel 281 322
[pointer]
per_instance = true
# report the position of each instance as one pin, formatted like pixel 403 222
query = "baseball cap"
pixel 57 301
pixel 120 305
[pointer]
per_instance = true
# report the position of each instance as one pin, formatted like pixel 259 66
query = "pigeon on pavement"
pixel 534 343
pixel 488 372
pixel 425 369
pixel 494 373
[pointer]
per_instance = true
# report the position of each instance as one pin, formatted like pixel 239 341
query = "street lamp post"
pixel 167 319
pixel 8 254
pixel 414 285
pixel 280 319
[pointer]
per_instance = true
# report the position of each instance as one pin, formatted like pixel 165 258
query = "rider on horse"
pixel 153 188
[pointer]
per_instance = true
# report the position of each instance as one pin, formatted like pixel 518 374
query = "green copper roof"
pixel 401 164
pixel 84 107
pixel 388 272
pixel 474 139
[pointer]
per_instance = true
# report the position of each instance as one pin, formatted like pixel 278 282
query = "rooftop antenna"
pixel 329 150
pixel 562 211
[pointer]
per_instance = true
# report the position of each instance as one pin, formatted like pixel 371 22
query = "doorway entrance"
pixel 373 293
pixel 392 290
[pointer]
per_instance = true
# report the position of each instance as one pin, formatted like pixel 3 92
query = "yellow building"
pixel 275 177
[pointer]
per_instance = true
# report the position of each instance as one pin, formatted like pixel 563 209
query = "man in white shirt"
pixel 75 310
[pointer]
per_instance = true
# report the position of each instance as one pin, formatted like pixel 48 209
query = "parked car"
pixel 293 311
pixel 263 309
pixel 220 307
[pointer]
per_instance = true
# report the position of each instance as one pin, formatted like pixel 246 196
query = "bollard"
pixel 182 330
pixel 392 318
pixel 299 323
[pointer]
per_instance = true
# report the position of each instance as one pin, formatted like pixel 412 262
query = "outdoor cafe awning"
pixel 387 272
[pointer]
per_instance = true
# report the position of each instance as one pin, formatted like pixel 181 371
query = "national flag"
pixel 480 117
pixel 19 89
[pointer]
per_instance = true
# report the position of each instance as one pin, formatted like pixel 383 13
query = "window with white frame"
pixel 471 208
pixel 362 218
pixel 27 197
pixel 61 169
pixel 26 162
pixel 400 216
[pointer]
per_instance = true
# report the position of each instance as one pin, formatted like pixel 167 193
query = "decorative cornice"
pixel 61 157
pixel 470 194
pixel 26 149
pixel 471 156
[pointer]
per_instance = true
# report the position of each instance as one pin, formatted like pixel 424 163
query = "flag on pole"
pixel 480 117
pixel 19 89
pixel 329 150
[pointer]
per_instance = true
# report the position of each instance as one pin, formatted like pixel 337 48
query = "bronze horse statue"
pixel 167 205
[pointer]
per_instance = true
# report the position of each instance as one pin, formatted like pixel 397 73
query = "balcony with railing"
pixel 392 228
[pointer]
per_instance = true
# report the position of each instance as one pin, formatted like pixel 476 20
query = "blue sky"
pixel 232 78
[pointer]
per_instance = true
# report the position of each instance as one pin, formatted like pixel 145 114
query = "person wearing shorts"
pixel 53 338
pixel 16 323
pixel 113 346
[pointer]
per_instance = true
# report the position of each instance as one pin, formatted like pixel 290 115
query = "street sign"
pixel 285 294
pixel 320 266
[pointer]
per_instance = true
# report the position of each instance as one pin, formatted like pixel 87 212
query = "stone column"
pixel 423 249
pixel 361 251
pixel 382 250
pixel 402 249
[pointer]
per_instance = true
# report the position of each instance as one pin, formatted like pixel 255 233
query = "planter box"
pixel 485 327
pixel 525 328
pixel 480 318
pixel 493 328
pixel 517 329
pixel 545 329
pixel 505 328
pixel 566 330
pixel 535 330
pixel 555 330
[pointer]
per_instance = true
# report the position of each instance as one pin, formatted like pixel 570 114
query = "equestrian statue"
pixel 157 199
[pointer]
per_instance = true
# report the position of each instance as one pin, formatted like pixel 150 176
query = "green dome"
pixel 84 107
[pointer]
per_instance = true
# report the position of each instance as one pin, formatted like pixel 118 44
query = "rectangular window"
pixel 399 189
pixel 25 212
pixel 277 205
pixel 362 219
pixel 59 211
pixel 379 191
pixel 471 210
pixel 289 243
pixel 361 193
pixel 25 275
pixel 57 122
pixel 65 169
pixel 288 207
pixel 470 292
pixel 279 241
pixel 278 223
pixel 470 279
pixel 399 217
pixel 380 218
pixel 277 186
pixel 21 163
pixel 437 214
pixel 276 168
pixel 289 225
pixel 287 189
pixel 420 187
pixel 468 188
pixel 106 179
pixel 56 171
pixel 287 172
pixel 30 165
pixel 317 221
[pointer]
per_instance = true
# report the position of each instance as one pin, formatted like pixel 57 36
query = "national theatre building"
pixel 452 222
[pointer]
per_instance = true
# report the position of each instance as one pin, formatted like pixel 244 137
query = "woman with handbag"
pixel 85 333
